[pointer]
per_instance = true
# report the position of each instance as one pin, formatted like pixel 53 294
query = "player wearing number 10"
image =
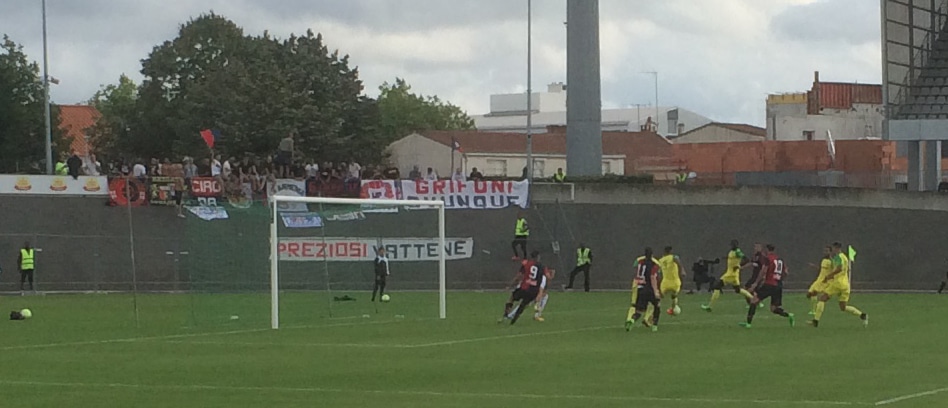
pixel 769 284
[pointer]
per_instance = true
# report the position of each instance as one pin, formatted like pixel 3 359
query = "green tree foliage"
pixel 403 112
pixel 117 103
pixel 22 124
pixel 255 90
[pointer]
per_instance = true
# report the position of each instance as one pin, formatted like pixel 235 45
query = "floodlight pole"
pixel 530 91
pixel 49 126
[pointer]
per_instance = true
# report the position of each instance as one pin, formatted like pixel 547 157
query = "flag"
pixel 210 137
pixel 852 254
pixel 455 146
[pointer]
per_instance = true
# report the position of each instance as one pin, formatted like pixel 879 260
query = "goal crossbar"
pixel 274 243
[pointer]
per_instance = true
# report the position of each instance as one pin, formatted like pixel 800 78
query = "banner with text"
pixel 302 220
pixel 53 185
pixel 161 191
pixel 455 194
pixel 364 249
pixel 291 188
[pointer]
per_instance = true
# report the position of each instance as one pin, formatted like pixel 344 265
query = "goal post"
pixel 275 218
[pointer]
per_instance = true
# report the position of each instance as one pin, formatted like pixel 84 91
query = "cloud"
pixel 853 22
pixel 717 57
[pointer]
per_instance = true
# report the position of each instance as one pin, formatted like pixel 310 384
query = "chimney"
pixel 816 77
pixel 681 128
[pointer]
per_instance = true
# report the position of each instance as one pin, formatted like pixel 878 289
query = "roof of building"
pixel 641 149
pixel 612 119
pixel 74 121
pixel 737 127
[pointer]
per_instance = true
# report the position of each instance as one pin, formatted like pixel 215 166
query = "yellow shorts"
pixel 731 279
pixel 837 290
pixel 674 287
pixel 818 286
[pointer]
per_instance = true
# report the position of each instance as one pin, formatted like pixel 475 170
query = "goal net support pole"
pixel 275 249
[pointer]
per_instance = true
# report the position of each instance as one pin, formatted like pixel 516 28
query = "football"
pixel 676 310
pixel 386 298
pixel 26 313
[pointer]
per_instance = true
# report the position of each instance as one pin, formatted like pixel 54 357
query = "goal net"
pixel 356 258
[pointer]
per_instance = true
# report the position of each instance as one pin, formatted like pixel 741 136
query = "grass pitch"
pixel 86 351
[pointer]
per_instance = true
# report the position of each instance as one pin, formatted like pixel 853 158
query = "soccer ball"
pixel 26 313
pixel 676 310
pixel 386 298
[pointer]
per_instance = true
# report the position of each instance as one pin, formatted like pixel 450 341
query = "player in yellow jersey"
pixel 672 272
pixel 736 260
pixel 635 296
pixel 838 285
pixel 826 268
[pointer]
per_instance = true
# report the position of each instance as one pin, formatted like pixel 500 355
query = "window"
pixel 606 168
pixel 539 167
pixel 672 117
pixel 808 134
pixel 496 168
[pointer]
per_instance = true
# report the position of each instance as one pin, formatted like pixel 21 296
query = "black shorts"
pixel 644 297
pixel 753 278
pixel 178 196
pixel 520 238
pixel 526 295
pixel 775 293
pixel 283 158
pixel 380 279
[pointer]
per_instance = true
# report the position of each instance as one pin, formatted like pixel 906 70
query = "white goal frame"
pixel 274 243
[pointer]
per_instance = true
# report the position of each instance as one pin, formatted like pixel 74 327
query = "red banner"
pixel 333 188
pixel 206 187
pixel 125 191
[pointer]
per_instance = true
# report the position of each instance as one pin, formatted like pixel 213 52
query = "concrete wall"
pixel 545 167
pixel 864 121
pixel 716 134
pixel 85 245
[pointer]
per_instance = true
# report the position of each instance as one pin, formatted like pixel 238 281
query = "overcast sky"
pixel 719 58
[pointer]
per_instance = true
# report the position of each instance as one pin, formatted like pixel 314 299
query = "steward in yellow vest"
pixel 583 263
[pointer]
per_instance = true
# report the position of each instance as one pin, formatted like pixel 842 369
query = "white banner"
pixel 290 188
pixel 209 213
pixel 302 220
pixel 54 185
pixel 364 249
pixel 455 194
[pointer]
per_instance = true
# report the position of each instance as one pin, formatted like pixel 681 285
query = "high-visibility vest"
pixel 682 178
pixel 61 168
pixel 521 230
pixel 559 177
pixel 26 259
pixel 582 256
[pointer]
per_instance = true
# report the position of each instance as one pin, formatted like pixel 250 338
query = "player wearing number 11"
pixel 646 291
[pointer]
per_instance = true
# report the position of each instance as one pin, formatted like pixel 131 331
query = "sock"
pixel 853 311
pixel 747 295
pixel 649 310
pixel 942 287
pixel 631 314
pixel 813 302
pixel 714 296
pixel 507 308
pixel 518 312
pixel 542 304
pixel 635 316
pixel 820 306
pixel 656 313
pixel 781 312
pixel 751 312
pixel 674 301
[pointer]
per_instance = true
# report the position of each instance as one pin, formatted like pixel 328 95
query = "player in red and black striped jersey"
pixel 769 284
pixel 647 291
pixel 530 284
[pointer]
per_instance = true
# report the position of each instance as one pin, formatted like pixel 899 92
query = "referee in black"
pixel 381 273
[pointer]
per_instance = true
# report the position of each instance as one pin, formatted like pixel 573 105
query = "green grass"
pixel 86 351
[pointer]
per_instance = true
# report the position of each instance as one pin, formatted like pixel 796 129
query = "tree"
pixel 403 112
pixel 22 123
pixel 117 103
pixel 254 90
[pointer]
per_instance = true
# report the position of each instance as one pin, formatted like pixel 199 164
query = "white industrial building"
pixel 508 114
pixel 847 110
